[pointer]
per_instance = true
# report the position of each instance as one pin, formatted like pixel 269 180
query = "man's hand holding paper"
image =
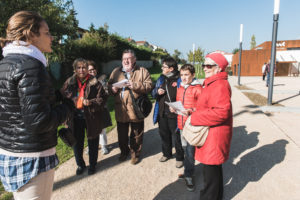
pixel 121 83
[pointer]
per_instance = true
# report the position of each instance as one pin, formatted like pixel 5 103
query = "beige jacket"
pixel 142 84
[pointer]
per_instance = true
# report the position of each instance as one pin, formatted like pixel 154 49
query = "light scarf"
pixel 24 48
pixel 81 87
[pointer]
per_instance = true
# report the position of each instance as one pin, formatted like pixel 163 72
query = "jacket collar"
pixel 219 76
pixel 22 47
pixel 174 76
pixel 91 81
pixel 134 68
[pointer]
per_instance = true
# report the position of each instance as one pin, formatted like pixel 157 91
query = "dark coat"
pixel 165 82
pixel 95 116
pixel 29 116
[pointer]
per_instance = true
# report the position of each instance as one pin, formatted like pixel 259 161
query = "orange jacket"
pixel 188 97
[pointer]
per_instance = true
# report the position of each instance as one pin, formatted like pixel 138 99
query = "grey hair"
pixel 129 51
pixel 79 60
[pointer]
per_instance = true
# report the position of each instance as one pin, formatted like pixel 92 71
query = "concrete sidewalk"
pixel 264 161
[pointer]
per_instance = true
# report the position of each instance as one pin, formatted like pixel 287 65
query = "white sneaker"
pixel 104 150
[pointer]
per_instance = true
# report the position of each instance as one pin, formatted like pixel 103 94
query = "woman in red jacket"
pixel 214 110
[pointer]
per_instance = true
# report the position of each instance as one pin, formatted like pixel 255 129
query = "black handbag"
pixel 142 105
pixel 67 136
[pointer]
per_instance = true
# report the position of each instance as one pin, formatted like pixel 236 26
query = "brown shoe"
pixel 134 160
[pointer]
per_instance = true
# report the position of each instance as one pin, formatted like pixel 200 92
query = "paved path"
pixel 264 161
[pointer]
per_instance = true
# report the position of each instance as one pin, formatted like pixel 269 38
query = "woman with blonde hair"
pixel 29 112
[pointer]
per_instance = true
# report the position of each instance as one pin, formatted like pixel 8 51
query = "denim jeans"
pixel 268 79
pixel 189 160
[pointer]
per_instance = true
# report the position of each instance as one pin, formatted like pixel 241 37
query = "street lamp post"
pixel 273 50
pixel 240 54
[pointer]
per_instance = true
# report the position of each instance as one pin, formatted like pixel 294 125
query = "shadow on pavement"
pixel 251 167
pixel 177 190
pixel 151 144
pixel 151 137
pixel 237 173
pixel 286 99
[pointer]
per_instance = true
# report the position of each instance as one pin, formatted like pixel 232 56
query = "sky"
pixel 178 24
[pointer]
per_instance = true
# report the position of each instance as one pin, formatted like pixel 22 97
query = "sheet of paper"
pixel 121 83
pixel 177 106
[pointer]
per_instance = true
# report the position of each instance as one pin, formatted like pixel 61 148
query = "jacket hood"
pixel 219 76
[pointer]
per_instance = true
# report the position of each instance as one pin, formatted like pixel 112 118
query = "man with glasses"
pixel 165 91
pixel 139 82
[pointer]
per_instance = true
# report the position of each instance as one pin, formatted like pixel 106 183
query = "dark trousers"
pixel 263 77
pixel 213 183
pixel 167 129
pixel 79 132
pixel 189 160
pixel 135 137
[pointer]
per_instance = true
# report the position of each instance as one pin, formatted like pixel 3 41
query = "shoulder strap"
pixel 168 92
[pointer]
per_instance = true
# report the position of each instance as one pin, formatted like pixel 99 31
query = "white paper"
pixel 121 83
pixel 177 106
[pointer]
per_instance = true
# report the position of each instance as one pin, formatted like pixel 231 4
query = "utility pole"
pixel 273 50
pixel 240 54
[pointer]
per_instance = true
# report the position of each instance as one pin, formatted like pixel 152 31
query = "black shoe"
pixel 91 170
pixel 80 170
pixel 189 182
pixel 123 157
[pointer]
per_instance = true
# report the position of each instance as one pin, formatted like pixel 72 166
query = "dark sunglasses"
pixel 208 66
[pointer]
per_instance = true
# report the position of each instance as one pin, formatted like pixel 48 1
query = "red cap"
pixel 219 59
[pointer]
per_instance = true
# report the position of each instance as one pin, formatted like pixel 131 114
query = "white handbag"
pixel 194 135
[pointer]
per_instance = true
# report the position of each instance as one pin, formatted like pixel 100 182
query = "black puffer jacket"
pixel 28 116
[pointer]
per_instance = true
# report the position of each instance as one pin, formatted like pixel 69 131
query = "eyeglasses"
pixel 164 67
pixel 208 66
pixel 90 70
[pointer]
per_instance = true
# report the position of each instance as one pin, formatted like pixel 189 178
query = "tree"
pixel 59 15
pixel 176 55
pixel 253 42
pixel 92 28
pixel 235 50
pixel 199 55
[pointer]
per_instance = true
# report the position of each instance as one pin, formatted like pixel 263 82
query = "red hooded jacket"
pixel 188 97
pixel 214 109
